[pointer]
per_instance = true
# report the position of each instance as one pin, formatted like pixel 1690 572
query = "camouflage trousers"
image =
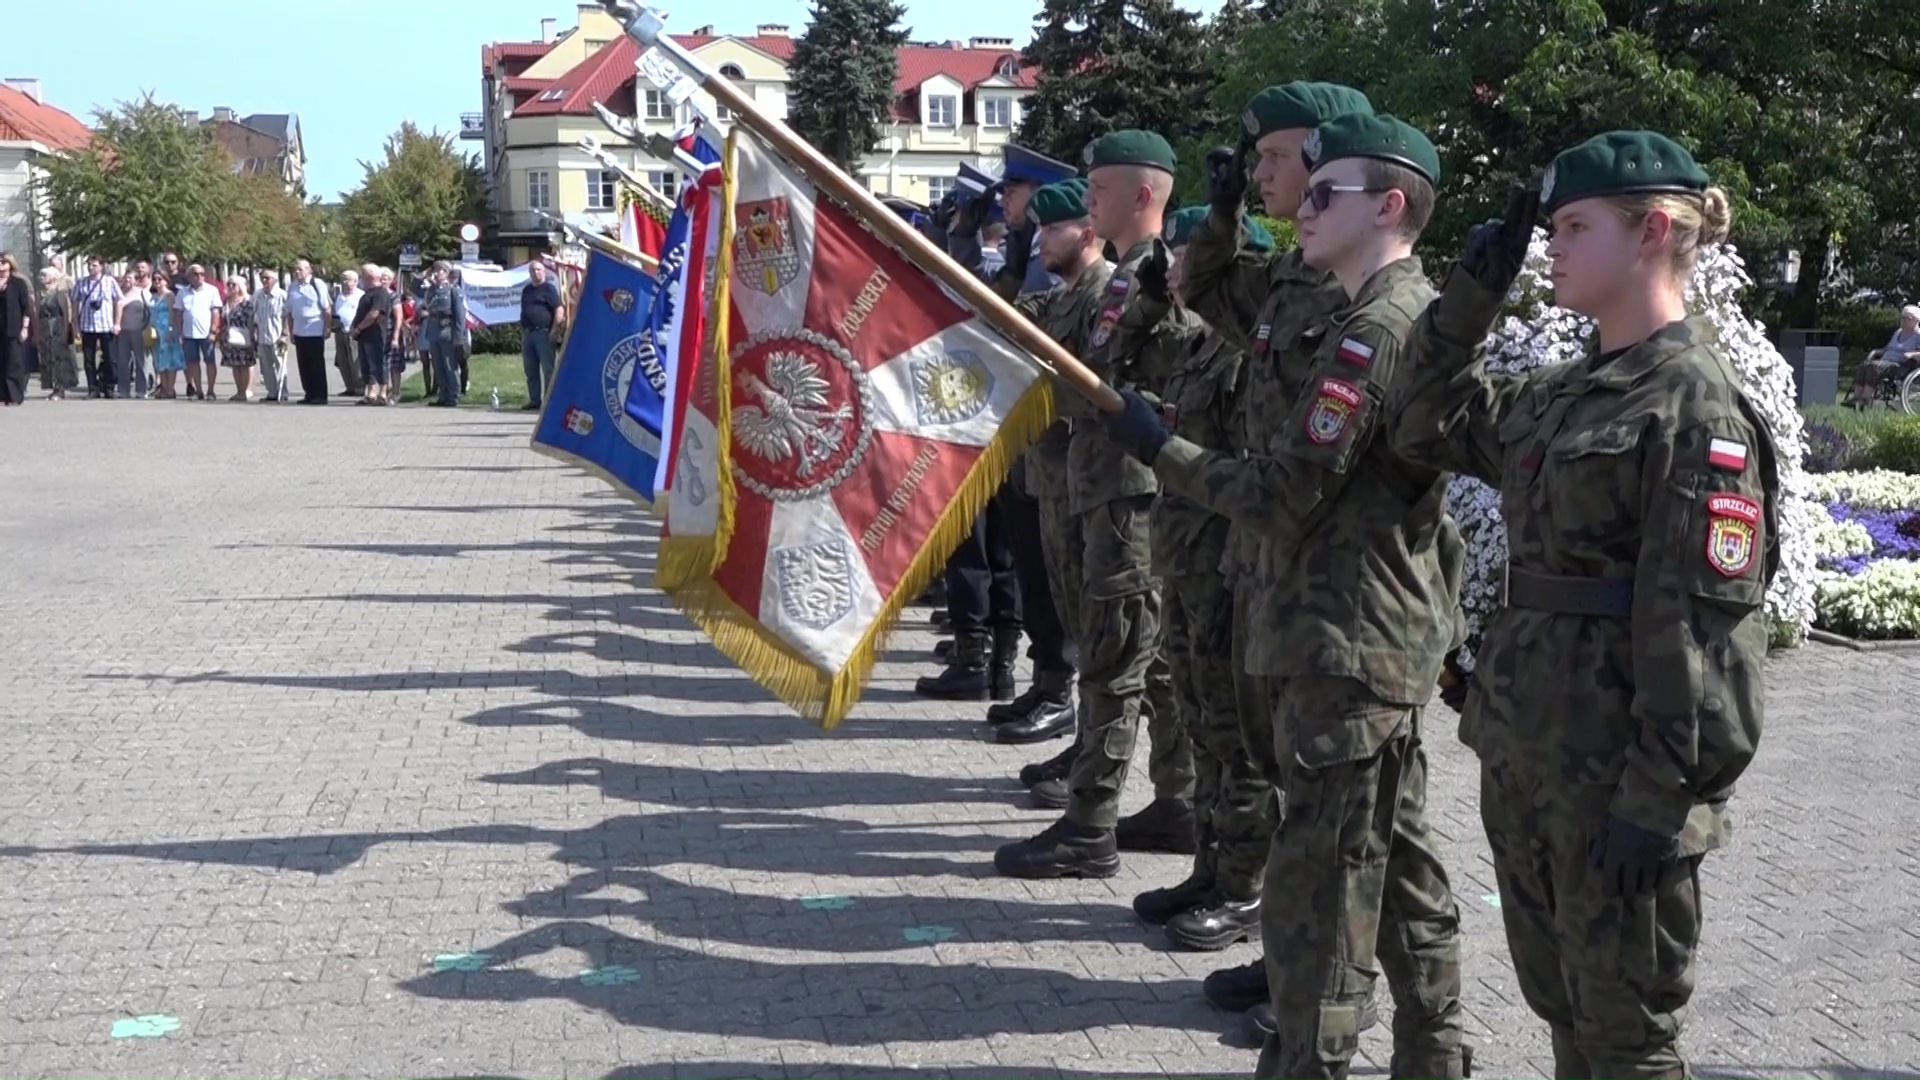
pixel 1253 694
pixel 1611 977
pixel 1355 887
pixel 1099 561
pixel 1232 801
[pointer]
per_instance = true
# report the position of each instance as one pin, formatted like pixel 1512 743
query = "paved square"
pixel 350 741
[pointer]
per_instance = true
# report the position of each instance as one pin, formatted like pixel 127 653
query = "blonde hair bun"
pixel 1716 217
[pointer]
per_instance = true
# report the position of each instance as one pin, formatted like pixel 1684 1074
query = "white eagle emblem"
pixel 815 583
pixel 792 418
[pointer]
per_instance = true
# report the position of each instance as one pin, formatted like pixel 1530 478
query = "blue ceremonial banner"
pixel 590 417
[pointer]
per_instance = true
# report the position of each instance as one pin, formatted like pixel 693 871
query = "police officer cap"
pixel 1064 201
pixel 1181 223
pixel 1131 147
pixel 1024 166
pixel 1366 135
pixel 972 183
pixel 1300 105
pixel 1620 163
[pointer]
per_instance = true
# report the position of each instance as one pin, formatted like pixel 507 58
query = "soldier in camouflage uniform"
pixel 1219 902
pixel 1137 335
pixel 1617 696
pixel 1253 299
pixel 1363 616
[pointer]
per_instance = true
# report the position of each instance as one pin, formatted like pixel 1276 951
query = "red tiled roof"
pixel 526 82
pixel 968 67
pixel 600 76
pixel 511 50
pixel 23 119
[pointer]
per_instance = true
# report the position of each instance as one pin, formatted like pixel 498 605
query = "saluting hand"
pixel 1152 275
pixel 1227 180
pixel 1019 250
pixel 1497 249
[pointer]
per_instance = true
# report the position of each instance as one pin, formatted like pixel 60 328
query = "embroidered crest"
pixel 1250 122
pixel 764 257
pixel 579 421
pixel 950 388
pixel 1356 352
pixel 802 414
pixel 1546 186
pixel 630 355
pixel 620 300
pixel 1166 231
pixel 1332 411
pixel 1727 454
pixel 815 582
pixel 1310 147
pixel 1109 318
pixel 1733 527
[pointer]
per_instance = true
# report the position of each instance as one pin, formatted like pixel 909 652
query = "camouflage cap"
pixel 1131 147
pixel 1181 223
pixel 1300 105
pixel 1380 137
pixel 1054 203
pixel 1620 163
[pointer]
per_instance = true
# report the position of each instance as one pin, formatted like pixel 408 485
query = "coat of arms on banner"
pixel 800 414
pixel 815 582
pixel 629 355
pixel 766 259
pixel 951 388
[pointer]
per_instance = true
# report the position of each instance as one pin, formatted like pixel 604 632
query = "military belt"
pixel 1602 598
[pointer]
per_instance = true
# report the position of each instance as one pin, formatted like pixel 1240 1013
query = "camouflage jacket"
pixel 1066 313
pixel 1640 493
pixel 1351 579
pixel 1200 403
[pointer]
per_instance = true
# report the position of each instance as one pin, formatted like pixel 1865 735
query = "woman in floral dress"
pixel 168 359
pixel 236 339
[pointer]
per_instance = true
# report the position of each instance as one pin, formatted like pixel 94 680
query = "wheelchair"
pixel 1897 388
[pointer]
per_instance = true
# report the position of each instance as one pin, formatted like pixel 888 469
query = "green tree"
pixel 151 180
pixel 418 193
pixel 259 224
pixel 1111 64
pixel 323 239
pixel 842 73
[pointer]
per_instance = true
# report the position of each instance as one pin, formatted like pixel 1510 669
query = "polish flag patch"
pixel 1356 352
pixel 1727 454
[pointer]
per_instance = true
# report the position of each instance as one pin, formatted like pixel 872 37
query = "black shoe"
pixel 1006 712
pixel 1165 825
pixel 1237 989
pixel 1214 923
pixel 965 678
pixel 940 620
pixel 943 650
pixel 1050 718
pixel 1050 794
pixel 1262 1026
pixel 1006 646
pixel 1062 850
pixel 1156 906
pixel 1052 685
pixel 1054 768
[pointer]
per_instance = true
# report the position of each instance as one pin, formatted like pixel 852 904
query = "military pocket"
pixel 1116 549
pixel 1334 721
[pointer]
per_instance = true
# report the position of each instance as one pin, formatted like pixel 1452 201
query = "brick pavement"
pixel 344 740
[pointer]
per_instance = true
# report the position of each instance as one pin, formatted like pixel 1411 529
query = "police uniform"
pixel 1618 694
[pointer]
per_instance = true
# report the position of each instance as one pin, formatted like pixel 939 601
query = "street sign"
pixel 409 256
pixel 469 233
pixel 469 251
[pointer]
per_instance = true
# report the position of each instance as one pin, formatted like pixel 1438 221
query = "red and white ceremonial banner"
pixel 870 417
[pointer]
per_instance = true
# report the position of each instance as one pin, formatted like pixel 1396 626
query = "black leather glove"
pixel 1019 250
pixel 1137 427
pixel 1497 249
pixel 971 216
pixel 943 212
pixel 1227 181
pixel 1152 275
pixel 1630 858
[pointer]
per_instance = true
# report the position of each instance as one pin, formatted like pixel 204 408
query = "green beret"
pixel 1300 105
pixel 1064 201
pixel 1365 135
pixel 1181 223
pixel 1620 163
pixel 1131 147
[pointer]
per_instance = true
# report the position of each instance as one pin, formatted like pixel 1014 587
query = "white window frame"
pixel 989 103
pixel 952 110
pixel 603 190
pixel 665 181
pixel 539 181
pixel 656 105
pixel 939 187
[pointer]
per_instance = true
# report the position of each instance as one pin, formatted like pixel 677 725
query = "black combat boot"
pixel 1214 923
pixel 1050 794
pixel 1050 715
pixel 1006 647
pixel 1237 989
pixel 966 676
pixel 943 650
pixel 1165 825
pixel 1062 850
pixel 1156 906
pixel 1261 1025
pixel 1054 768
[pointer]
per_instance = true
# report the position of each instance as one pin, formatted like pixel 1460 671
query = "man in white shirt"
pixel 270 334
pixel 346 303
pixel 200 311
pixel 307 317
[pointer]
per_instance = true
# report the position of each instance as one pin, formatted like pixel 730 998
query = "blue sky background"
pixel 352 69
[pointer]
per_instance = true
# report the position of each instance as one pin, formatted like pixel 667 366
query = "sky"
pixel 353 70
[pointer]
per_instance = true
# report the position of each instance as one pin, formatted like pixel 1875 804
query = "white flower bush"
pixel 1838 539
pixel 1881 489
pixel 1882 601
pixel 1536 333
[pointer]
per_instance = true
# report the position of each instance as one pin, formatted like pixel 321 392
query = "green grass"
pixel 484 373
pixel 1854 425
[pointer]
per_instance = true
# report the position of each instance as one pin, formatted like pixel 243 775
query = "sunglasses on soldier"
pixel 1320 195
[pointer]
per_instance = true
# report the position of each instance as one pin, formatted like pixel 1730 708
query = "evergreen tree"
pixel 842 76
pixel 1111 64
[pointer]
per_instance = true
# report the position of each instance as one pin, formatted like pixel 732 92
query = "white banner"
pixel 493 296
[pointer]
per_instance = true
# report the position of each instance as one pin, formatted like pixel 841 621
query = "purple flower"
pixel 1896 535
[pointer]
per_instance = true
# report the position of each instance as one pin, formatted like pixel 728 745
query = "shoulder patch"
pixel 1355 352
pixel 1733 528
pixel 1727 454
pixel 1333 409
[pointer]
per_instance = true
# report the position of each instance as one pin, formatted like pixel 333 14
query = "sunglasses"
pixel 1320 195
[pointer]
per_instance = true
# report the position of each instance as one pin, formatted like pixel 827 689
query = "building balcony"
pixel 473 125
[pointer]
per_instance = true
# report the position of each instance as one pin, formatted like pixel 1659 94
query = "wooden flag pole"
pixel 646 27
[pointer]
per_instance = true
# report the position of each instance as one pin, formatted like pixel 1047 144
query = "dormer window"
pixel 942 110
pixel 1009 67
pixel 553 95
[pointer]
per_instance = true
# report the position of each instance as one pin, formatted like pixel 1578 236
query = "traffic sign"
pixel 469 233
pixel 469 251
pixel 409 256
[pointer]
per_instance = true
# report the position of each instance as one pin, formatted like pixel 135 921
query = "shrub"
pixel 1828 449
pixel 504 338
pixel 1897 446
